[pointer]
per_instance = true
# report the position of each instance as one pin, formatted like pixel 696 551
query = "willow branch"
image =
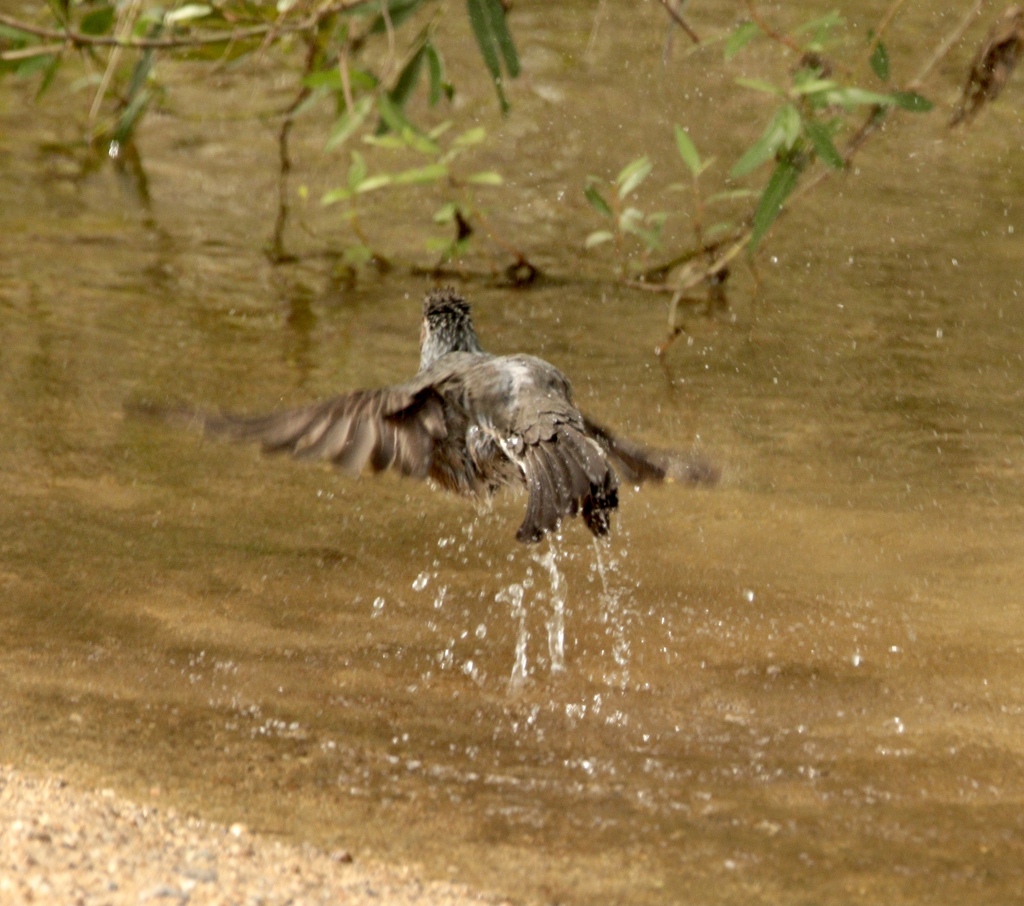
pixel 253 32
pixel 725 250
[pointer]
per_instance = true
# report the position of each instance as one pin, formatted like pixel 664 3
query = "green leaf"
pixel 370 183
pixel 632 175
pixel 349 122
pixel 439 130
pixel 130 116
pixel 597 201
pixel 630 220
pixel 730 195
pixel 330 79
pixel 487 18
pixel 688 151
pixel 821 139
pixel 486 178
pixel 820 28
pixel 780 185
pixel 791 123
pixel 855 97
pixel 762 150
pixel 499 27
pixel 446 213
pixel 597 238
pixel 334 196
pixel 814 86
pixel 323 79
pixel 31 65
pixel 470 137
pixel 783 130
pixel 829 20
pixel 357 170
pixel 187 13
pixel 435 68
pixel 16 35
pixel 408 78
pixel 98 21
pixel 740 38
pixel 390 141
pixel 912 101
pixel 48 75
pixel 718 228
pixel 880 61
pixel 417 175
pixel 761 85
pixel 394 119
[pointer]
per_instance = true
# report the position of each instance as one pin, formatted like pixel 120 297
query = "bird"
pixel 472 422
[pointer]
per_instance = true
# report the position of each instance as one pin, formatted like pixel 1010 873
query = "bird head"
pixel 447 327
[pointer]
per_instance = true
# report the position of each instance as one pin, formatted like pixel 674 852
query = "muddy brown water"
pixel 801 686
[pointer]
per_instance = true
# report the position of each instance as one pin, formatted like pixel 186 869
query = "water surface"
pixel 801 686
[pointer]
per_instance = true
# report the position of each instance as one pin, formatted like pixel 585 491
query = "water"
pixel 802 686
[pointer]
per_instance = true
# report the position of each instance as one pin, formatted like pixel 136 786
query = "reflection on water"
pixel 802 686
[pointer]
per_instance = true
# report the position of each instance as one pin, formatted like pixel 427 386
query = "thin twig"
pixel 785 40
pixel 38 50
pixel 125 23
pixel 946 45
pixel 672 10
pixel 389 27
pixel 886 20
pixel 346 83
pixel 594 28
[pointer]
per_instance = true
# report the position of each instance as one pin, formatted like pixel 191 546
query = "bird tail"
pixel 566 475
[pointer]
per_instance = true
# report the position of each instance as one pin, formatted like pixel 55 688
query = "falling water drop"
pixel 611 609
pixel 556 619
pixel 513 595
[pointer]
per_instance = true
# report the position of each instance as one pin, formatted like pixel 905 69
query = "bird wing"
pixel 394 427
pixel 637 463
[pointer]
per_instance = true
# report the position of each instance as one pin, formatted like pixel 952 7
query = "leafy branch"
pixel 121 44
pixel 812 132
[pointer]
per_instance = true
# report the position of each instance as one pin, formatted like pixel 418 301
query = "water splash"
pixel 614 616
pixel 556 599
pixel 513 595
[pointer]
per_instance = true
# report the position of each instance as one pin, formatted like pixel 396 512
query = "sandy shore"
pixel 64 846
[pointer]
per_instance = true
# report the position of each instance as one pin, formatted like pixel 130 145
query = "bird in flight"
pixel 474 423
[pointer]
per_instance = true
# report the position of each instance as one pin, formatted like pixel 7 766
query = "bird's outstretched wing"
pixel 394 427
pixel 637 463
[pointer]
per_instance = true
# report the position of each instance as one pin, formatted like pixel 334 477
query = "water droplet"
pixel 378 607
pixel 420 582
